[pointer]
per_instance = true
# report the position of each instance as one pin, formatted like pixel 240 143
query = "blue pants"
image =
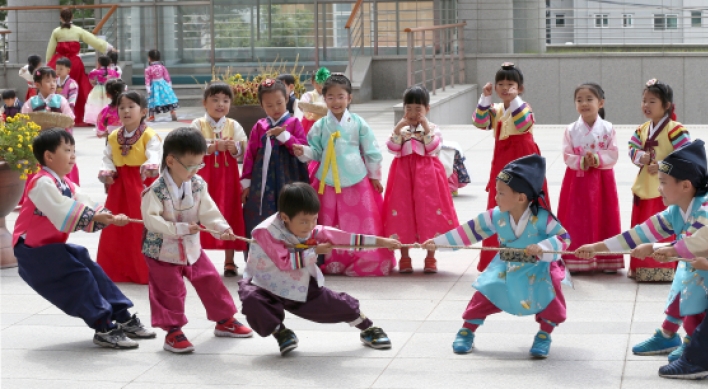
pixel 66 276
pixel 697 351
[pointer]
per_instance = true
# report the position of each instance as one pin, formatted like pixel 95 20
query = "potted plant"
pixel 16 162
pixel 245 108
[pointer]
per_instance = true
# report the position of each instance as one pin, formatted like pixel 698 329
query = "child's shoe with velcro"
pixel 676 354
pixel 431 266
pixel 177 342
pixel 114 338
pixel 541 345
pixel 464 341
pixel 405 266
pixel 375 337
pixel 287 340
pixel 657 344
pixel 133 328
pixel 232 328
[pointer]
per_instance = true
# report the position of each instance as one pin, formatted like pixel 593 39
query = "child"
pixel 130 162
pixel 683 185
pixel 281 277
pixel 652 142
pixel 517 282
pixel 348 180
pixel 512 122
pixel 65 85
pixel 173 208
pixel 269 163
pixel 62 273
pixel 108 120
pixel 34 62
pixel 417 204
pixel 314 97
pixel 46 100
pixel 589 206
pixel 227 142
pixel 161 97
pixel 454 163
pixel 289 82
pixel 11 104
pixel 98 99
pixel 113 55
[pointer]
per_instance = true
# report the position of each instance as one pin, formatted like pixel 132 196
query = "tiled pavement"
pixel 43 348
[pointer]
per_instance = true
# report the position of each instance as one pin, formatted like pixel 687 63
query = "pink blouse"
pixel 102 75
pixel 600 140
pixel 415 142
pixel 156 71
pixel 107 121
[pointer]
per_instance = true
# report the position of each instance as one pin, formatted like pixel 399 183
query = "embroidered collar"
pixel 60 183
pixel 126 141
pixel 273 123
pixel 346 117
pixel 216 126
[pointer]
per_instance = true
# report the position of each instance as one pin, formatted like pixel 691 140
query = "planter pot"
pixel 246 116
pixel 11 188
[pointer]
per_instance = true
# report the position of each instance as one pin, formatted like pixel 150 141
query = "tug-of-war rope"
pixel 516 258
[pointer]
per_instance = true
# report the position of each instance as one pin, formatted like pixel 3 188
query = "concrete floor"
pixel 41 347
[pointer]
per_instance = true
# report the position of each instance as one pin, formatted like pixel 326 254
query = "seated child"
pixel 516 282
pixel 63 273
pixel 280 276
pixel 173 207
pixel 12 105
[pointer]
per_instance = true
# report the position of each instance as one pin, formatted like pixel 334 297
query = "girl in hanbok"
pixel 108 120
pixel 227 142
pixel 161 97
pixel 649 144
pixel 348 180
pixel 512 122
pixel 131 162
pixel 417 204
pixel 314 97
pixel 269 163
pixel 589 207
pixel 98 99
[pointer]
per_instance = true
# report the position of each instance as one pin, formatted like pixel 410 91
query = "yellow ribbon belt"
pixel 331 160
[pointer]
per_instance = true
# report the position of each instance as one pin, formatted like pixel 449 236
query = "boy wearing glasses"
pixel 172 208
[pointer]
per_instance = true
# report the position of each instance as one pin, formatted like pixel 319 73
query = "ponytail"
pixel 66 15
pixel 601 113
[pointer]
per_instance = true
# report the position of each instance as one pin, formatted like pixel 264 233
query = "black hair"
pixel 49 140
pixel 664 92
pixel 135 97
pixel 270 86
pixel 9 94
pixel 42 73
pixel 154 55
pixel 115 88
pixel 182 141
pixel 113 55
pixel 510 72
pixel 337 79
pixel 105 62
pixel 298 197
pixel 33 61
pixel 286 79
pixel 215 88
pixel 63 61
pixel 417 94
pixel 66 15
pixel 596 90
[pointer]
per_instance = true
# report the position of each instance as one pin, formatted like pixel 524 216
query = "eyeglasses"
pixel 192 168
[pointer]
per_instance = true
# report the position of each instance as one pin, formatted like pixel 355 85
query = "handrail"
pixel 438 27
pixel 355 9
pixel 444 46
pixel 105 18
pixel 113 8
pixel 355 31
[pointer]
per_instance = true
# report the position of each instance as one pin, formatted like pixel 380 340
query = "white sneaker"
pixel 133 328
pixel 114 338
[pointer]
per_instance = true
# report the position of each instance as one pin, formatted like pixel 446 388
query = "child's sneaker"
pixel 133 328
pixel 114 338
pixel 431 266
pixel 676 354
pixel 287 340
pixel 405 266
pixel 657 344
pixel 464 341
pixel 177 342
pixel 375 337
pixel 541 345
pixel 232 328
pixel 683 370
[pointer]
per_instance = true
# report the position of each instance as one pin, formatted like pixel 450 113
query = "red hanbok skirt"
pixel 642 210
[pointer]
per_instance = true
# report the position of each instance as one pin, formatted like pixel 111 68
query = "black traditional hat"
pixel 526 175
pixel 688 163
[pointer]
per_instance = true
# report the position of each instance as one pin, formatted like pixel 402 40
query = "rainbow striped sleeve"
pixel 653 230
pixel 77 218
pixel 91 225
pixel 297 258
pixel 483 117
pixel 523 118
pixel 635 146
pixel 469 233
pixel 679 137
pixel 559 240
pixel 362 240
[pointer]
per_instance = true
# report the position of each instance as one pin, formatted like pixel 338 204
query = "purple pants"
pixel 266 311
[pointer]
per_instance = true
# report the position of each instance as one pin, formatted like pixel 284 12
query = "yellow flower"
pixel 23 177
pixel 9 149
pixel 26 171
pixel 30 147
pixel 19 145
pixel 19 166
pixel 19 137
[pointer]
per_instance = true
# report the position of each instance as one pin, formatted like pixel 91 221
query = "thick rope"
pixel 438 246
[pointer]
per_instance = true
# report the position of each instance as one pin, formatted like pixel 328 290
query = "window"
pixel 696 19
pixel 628 20
pixel 665 22
pixel 560 20
pixel 601 20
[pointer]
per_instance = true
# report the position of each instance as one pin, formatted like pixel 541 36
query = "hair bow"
pixel 653 81
pixel 507 65
pixel 268 82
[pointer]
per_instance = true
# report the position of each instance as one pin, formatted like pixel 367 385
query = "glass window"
pixel 672 22
pixel 560 20
pixel 627 20
pixel 659 22
pixel 601 20
pixel 696 18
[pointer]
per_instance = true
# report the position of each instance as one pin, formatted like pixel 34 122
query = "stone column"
pixel 529 26
pixel 31 30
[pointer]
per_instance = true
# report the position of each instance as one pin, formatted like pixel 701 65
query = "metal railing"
pixel 441 46
pixel 355 34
